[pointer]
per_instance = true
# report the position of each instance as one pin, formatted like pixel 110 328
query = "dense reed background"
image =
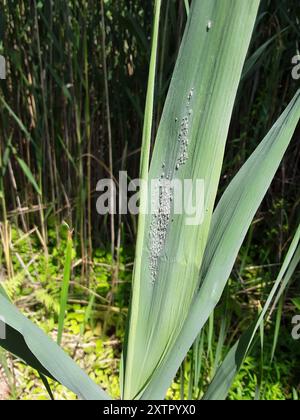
pixel 71 112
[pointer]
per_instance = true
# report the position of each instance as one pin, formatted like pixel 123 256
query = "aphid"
pixel 191 94
pixel 209 25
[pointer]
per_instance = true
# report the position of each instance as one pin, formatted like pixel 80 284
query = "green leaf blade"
pixel 31 344
pixel 231 222
pixel 203 90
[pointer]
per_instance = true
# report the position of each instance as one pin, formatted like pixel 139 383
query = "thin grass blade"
pixel 223 380
pixel 65 288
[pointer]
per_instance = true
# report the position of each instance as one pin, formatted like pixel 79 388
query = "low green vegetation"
pixel 94 338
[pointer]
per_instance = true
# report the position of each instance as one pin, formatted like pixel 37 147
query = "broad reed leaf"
pixel 231 221
pixel 190 144
pixel 32 345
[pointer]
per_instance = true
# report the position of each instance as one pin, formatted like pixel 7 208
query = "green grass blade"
pixel 88 313
pixel 16 118
pixel 187 7
pixel 27 172
pixel 295 395
pixel 277 326
pixel 65 288
pixel 251 62
pixel 220 345
pixel 198 350
pixel 144 174
pixel 223 380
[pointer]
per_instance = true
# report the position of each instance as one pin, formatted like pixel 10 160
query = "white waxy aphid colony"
pixel 159 225
pixel 183 137
pixel 161 219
